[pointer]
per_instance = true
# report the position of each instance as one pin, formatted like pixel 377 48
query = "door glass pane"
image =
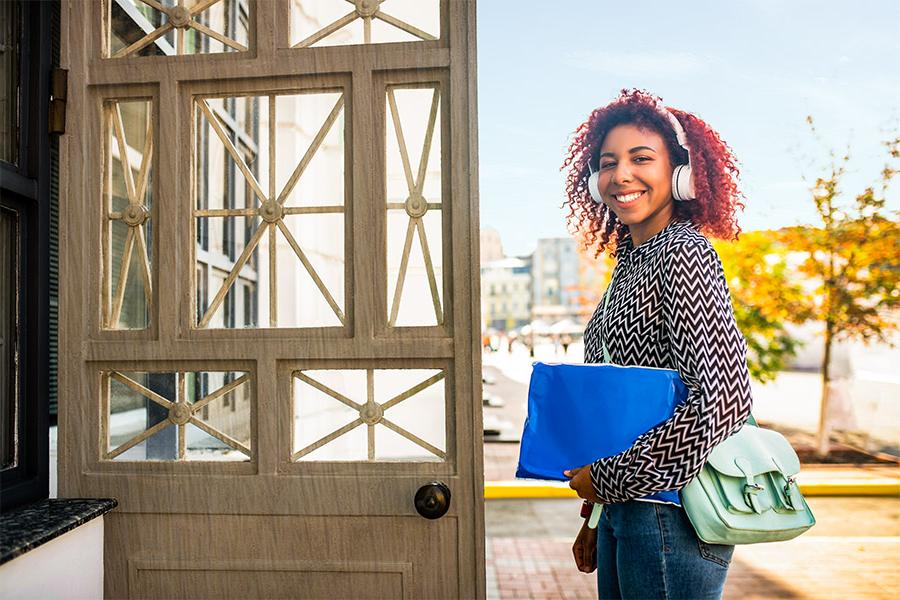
pixel 9 345
pixel 340 23
pixel 196 416
pixel 269 211
pixel 175 27
pixel 10 30
pixel 127 190
pixel 414 215
pixel 369 415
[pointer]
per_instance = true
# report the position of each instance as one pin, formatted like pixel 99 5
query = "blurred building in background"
pixel 506 293
pixel 555 285
pixel 555 280
pixel 491 246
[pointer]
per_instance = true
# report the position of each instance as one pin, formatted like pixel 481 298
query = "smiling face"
pixel 636 180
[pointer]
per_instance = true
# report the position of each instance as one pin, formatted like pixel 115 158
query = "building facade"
pixel 506 293
pixel 556 279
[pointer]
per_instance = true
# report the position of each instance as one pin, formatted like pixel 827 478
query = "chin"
pixel 629 218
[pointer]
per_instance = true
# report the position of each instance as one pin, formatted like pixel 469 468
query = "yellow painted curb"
pixel 503 490
pixel 873 487
pixel 500 490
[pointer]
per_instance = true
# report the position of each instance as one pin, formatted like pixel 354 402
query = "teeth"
pixel 629 197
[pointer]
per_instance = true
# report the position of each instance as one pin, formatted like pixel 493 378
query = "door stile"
pixel 72 255
pixel 265 33
pixel 361 178
pixel 269 449
pixel 461 34
pixel 171 207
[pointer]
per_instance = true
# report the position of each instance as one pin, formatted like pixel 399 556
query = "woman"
pixel 669 307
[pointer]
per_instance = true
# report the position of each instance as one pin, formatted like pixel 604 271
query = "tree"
pixel 854 260
pixel 765 297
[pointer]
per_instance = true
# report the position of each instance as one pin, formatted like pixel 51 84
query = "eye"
pixel 640 159
pixel 607 164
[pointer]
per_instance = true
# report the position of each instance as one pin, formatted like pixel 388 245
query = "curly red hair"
pixel 712 162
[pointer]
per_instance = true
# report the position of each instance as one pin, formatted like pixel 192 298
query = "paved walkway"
pixel 853 552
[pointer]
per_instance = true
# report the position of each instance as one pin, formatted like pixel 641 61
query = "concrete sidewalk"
pixel 852 552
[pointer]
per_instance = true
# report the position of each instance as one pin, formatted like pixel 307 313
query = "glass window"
pixel 174 27
pixel 414 206
pixel 270 211
pixel 193 416
pixel 335 23
pixel 10 31
pixel 127 189
pixel 9 343
pixel 371 414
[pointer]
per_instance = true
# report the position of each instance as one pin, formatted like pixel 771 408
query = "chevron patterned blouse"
pixel 671 308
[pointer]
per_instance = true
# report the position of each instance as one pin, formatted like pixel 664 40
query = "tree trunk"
pixel 824 445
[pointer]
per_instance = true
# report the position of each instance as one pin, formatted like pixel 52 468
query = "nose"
pixel 622 173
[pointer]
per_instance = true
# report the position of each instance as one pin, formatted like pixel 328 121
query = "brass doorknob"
pixel 433 500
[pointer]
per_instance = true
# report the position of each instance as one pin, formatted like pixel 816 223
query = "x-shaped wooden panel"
pixel 371 413
pixel 181 412
pixel 416 206
pixel 181 18
pixel 272 209
pixel 135 215
pixel 365 10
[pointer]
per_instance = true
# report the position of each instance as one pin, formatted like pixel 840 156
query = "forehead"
pixel 622 138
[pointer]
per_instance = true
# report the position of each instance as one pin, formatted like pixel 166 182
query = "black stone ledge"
pixel 25 528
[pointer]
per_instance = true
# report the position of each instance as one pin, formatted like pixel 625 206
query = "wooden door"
pixel 269 295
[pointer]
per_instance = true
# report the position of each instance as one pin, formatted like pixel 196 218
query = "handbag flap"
pixel 756 449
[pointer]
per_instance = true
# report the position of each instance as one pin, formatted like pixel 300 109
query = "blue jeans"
pixel 650 550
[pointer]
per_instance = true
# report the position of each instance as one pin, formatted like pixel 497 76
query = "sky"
pixel 753 69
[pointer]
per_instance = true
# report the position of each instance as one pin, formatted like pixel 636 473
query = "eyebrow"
pixel 632 151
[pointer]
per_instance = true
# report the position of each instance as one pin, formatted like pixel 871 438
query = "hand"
pixel 585 549
pixel 581 483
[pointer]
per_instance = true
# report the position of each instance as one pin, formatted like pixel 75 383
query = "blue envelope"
pixel 578 413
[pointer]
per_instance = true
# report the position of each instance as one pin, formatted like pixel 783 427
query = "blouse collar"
pixel 627 248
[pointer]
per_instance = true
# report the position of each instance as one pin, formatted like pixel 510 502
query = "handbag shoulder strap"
pixel 609 289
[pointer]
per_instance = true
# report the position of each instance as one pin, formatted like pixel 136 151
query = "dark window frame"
pixel 26 187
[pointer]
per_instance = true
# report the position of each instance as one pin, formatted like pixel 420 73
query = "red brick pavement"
pixel 809 567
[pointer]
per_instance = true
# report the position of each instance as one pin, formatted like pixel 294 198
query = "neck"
pixel 646 229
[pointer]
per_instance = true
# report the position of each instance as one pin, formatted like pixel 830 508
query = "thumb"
pixel 572 472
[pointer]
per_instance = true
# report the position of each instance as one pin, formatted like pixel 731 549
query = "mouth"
pixel 628 198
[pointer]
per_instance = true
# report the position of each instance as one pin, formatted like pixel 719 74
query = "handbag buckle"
pixel 753 488
pixel 790 488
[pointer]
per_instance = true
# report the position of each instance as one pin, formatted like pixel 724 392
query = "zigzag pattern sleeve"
pixel 709 353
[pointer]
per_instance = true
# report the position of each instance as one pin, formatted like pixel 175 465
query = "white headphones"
pixel 682 176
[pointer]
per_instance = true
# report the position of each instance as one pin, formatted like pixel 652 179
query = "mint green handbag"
pixel 747 492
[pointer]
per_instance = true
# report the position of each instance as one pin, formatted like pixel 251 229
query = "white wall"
pixel 70 566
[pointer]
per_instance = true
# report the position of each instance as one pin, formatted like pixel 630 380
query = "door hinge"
pixel 59 83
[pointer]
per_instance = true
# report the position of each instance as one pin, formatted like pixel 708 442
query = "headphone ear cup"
pixel 683 183
pixel 594 187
